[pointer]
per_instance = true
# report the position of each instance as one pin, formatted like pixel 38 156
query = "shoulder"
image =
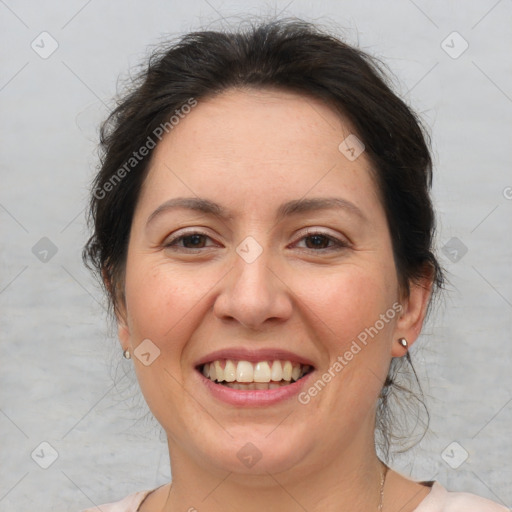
pixel 128 504
pixel 441 500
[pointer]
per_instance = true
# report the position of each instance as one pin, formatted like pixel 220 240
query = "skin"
pixel 250 151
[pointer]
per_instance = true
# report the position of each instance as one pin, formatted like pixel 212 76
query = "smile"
pixel 261 375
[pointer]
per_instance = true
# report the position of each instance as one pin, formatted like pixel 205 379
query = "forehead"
pixel 269 124
pixel 256 146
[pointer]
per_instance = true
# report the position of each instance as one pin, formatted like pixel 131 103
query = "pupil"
pixel 318 238
pixel 194 238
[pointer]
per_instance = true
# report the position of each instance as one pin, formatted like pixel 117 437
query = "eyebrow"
pixel 288 209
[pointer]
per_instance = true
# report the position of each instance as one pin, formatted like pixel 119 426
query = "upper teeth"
pixel 245 371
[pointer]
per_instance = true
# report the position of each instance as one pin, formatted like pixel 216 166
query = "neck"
pixel 348 477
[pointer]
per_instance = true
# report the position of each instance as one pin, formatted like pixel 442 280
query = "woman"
pixel 263 228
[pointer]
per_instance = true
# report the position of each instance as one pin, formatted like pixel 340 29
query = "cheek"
pixel 163 306
pixel 159 298
pixel 347 299
pixel 345 308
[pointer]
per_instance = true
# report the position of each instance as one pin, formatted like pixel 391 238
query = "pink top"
pixel 438 500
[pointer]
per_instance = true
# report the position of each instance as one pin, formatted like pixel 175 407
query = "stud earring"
pixel 126 354
pixel 403 342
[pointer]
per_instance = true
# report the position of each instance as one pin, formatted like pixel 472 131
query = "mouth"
pixel 249 376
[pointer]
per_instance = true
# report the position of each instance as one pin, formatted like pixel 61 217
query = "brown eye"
pixel 317 241
pixel 196 241
pixel 322 242
pixel 192 241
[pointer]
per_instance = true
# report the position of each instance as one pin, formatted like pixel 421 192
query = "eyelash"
pixel 337 244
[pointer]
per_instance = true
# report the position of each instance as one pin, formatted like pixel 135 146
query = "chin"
pixel 253 451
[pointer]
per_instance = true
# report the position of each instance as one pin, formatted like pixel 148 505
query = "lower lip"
pixel 254 397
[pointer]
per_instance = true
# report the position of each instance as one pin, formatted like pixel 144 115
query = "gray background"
pixel 63 381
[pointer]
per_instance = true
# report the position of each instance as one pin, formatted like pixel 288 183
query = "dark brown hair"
pixel 291 55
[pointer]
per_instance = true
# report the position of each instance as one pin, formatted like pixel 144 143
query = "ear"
pixel 123 331
pixel 411 320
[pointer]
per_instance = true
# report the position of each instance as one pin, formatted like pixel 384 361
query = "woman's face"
pixel 255 278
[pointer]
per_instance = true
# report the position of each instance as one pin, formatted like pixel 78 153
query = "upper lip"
pixel 253 356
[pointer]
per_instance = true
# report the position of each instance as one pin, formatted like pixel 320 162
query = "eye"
pixel 315 240
pixel 192 240
pixel 319 241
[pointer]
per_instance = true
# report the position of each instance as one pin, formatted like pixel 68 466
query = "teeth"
pixel 287 371
pixel 229 371
pixel 219 372
pixel 254 385
pixel 260 375
pixel 213 374
pixel 244 372
pixel 262 372
pixel 277 371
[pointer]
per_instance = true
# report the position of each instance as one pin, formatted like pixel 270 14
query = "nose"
pixel 254 294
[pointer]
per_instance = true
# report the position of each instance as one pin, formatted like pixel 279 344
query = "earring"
pixel 126 354
pixel 403 342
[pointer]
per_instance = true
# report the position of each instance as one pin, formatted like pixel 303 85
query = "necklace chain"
pixel 382 481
